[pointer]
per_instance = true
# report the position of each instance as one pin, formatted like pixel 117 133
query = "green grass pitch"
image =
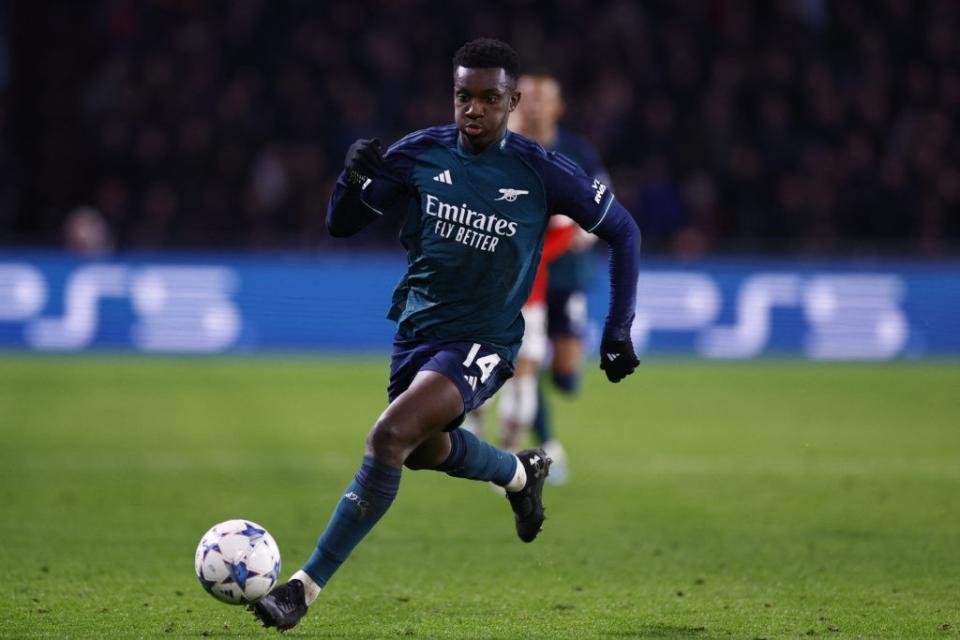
pixel 760 500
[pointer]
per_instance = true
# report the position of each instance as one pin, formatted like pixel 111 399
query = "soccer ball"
pixel 237 561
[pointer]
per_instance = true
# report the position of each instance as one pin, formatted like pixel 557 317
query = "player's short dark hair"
pixel 487 53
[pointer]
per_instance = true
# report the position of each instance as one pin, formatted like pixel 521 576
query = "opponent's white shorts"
pixel 534 345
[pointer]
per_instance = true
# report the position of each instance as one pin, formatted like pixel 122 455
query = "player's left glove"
pixel 617 357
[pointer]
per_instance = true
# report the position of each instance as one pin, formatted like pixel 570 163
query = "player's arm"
pixel 618 229
pixel 365 188
pixel 591 204
pixel 592 165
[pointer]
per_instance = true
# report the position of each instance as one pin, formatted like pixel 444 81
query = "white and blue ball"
pixel 237 561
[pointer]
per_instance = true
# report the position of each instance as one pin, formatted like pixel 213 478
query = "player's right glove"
pixel 617 357
pixel 364 159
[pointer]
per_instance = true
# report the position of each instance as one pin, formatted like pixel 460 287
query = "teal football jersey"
pixel 474 230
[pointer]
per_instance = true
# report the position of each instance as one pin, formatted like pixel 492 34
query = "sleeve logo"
pixel 600 188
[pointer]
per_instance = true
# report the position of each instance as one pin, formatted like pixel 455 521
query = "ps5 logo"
pixel 177 308
pixel 718 313
pixel 846 316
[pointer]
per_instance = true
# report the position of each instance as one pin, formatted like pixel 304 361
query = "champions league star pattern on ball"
pixel 237 561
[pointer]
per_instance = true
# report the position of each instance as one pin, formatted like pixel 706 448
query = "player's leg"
pixel 567 361
pixel 518 399
pixel 412 428
pixel 475 372
pixel 521 475
pixel 566 321
pixel 542 421
pixel 478 372
pixel 565 370
pixel 425 408
pixel 518 404
pixel 428 405
pixel 556 325
pixel 566 332
pixel 461 454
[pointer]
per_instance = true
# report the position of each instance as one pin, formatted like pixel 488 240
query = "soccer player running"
pixel 477 201
pixel 570 273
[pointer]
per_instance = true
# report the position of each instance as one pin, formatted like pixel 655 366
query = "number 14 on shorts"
pixel 486 364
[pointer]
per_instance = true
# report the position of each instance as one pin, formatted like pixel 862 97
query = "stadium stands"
pixel 800 126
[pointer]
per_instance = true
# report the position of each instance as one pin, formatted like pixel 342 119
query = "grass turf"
pixel 763 500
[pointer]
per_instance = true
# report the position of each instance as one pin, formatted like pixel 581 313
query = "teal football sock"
pixel 472 458
pixel 363 503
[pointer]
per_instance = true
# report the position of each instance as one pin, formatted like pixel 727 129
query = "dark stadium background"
pixel 790 127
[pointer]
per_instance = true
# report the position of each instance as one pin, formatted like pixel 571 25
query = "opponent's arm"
pixel 557 241
pixel 347 211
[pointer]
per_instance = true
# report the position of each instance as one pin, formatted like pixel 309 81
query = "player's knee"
pixel 566 382
pixel 387 442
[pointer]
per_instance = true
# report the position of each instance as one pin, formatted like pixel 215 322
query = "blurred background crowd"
pixel 807 127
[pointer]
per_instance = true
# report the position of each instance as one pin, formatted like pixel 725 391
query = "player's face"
pixel 482 100
pixel 542 103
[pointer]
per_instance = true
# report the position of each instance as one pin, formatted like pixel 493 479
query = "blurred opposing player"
pixel 571 273
pixel 477 200
pixel 519 396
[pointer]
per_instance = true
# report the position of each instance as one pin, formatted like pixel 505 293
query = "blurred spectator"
pixel 810 126
pixel 85 232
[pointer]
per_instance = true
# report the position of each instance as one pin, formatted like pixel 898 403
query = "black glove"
pixel 364 159
pixel 617 357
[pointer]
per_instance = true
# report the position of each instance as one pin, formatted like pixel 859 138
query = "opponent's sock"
pixel 566 382
pixel 506 408
pixel 472 458
pixel 542 426
pixel 527 400
pixel 310 588
pixel 366 499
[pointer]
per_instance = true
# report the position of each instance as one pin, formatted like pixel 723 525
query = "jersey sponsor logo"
pixel 466 226
pixel 444 177
pixel 487 222
pixel 510 195
pixel 600 188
